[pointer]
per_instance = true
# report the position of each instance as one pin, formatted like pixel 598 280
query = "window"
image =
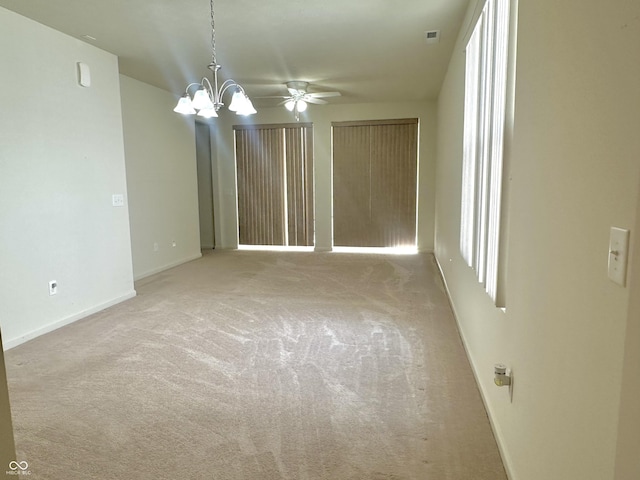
pixel 374 183
pixel 484 119
pixel 275 184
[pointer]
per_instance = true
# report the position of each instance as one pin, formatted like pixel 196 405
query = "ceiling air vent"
pixel 432 36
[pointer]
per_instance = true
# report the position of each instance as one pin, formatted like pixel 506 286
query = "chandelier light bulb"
pixel 208 113
pixel 247 107
pixel 201 100
pixel 237 101
pixel 290 105
pixel 184 106
pixel 302 105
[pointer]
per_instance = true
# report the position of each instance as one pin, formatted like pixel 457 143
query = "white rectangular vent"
pixel 432 36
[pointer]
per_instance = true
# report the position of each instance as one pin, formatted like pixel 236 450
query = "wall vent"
pixel 432 36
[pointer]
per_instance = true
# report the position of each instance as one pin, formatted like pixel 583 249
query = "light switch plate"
pixel 117 200
pixel 618 255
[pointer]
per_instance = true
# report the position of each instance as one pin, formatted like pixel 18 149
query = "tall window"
pixel 374 183
pixel 484 118
pixel 275 184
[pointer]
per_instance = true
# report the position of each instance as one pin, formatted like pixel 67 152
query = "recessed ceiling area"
pixel 372 51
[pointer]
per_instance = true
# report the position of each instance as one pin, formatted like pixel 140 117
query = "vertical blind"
pixel 484 116
pixel 275 184
pixel 374 183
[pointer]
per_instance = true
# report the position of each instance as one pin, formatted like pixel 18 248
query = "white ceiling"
pixel 369 50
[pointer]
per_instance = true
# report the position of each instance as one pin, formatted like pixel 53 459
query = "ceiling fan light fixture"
pixel 299 98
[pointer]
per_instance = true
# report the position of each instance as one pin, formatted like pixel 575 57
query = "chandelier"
pixel 207 98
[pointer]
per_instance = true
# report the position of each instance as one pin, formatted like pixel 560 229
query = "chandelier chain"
pixel 213 36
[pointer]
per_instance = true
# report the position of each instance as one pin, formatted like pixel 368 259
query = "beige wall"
pixel 321 117
pixel 628 457
pixel 574 170
pixel 161 178
pixel 61 160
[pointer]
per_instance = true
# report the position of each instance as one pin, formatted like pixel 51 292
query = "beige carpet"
pixel 259 366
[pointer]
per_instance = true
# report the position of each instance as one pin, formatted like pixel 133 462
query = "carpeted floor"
pixel 248 365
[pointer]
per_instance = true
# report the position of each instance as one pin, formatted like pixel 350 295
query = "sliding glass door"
pixel 375 183
pixel 275 184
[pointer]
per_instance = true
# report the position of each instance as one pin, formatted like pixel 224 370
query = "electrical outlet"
pixel 117 200
pixel 155 247
pixel 511 386
pixel 173 244
pixel 503 377
pixel 53 287
pixel 618 254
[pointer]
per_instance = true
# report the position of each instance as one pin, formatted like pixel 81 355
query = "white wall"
pixel 573 174
pixel 61 159
pixel 161 178
pixel 321 116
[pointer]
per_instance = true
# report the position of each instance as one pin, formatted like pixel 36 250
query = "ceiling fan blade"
pixel 317 101
pixel 274 96
pixel 324 94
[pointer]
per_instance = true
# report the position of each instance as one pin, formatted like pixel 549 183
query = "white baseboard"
pixel 14 342
pixel 148 273
pixel 497 433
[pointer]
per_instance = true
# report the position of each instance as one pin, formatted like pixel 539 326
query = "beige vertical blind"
pixel 275 184
pixel 299 165
pixel 374 183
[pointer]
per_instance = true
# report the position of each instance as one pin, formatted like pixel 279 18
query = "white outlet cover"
pixel 618 255
pixel 117 200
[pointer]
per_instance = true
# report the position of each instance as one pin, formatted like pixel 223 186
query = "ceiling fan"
pixel 299 98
